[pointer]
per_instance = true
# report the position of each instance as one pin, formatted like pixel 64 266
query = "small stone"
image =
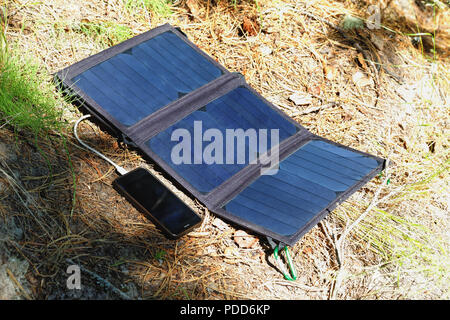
pixel 361 80
pixel 300 98
pixel 230 251
pixel 132 290
pixel 7 153
pixel 18 233
pixel 219 224
pixel 407 93
pixel 244 240
pixel 377 41
pixel 8 288
pixel 265 50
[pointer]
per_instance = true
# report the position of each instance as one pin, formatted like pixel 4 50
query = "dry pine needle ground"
pixel 397 109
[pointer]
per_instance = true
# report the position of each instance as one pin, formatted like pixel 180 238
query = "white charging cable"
pixel 119 169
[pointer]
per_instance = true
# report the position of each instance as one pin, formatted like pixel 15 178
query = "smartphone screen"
pixel 167 210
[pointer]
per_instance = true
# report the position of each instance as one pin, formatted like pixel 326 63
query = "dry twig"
pixel 106 283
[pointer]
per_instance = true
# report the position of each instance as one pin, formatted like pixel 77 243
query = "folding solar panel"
pixel 152 86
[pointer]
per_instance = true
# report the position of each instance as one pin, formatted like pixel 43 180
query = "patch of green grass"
pixel 107 33
pixel 27 99
pixel 160 254
pixel 350 23
pixel 159 7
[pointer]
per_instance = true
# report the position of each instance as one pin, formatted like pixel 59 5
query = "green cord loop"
pixel 293 273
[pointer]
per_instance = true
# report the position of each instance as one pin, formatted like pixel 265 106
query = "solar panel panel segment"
pixel 134 84
pixel 238 109
pixel 307 182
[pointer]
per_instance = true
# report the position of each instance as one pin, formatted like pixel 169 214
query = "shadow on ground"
pixel 43 232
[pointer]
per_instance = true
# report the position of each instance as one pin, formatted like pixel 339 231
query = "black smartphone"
pixel 155 200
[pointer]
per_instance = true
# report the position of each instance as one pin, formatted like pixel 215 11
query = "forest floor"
pixel 387 95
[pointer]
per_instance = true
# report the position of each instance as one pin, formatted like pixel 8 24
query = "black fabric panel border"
pixel 181 108
pixel 87 63
pixel 160 120
pixel 239 181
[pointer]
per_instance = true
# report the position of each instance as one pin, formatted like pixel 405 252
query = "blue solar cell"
pixel 147 77
pixel 238 109
pixel 307 182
